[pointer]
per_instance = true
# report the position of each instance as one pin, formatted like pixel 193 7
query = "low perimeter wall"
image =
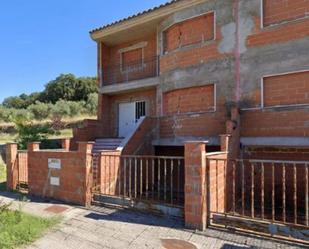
pixel 63 175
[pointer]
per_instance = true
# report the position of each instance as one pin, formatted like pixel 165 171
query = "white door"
pixel 127 119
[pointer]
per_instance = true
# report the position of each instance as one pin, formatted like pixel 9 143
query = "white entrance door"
pixel 127 119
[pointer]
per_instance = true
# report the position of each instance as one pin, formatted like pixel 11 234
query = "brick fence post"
pixel 224 142
pixel 34 146
pixel 85 149
pixel 11 166
pixel 65 144
pixel 195 185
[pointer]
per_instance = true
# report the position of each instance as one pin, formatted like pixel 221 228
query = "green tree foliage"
pixel 22 101
pixel 40 110
pixel 29 132
pixel 68 87
pixel 65 86
pixel 92 103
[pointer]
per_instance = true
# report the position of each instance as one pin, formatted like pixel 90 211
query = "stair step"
pixel 108 140
pixel 104 146
pixel 108 144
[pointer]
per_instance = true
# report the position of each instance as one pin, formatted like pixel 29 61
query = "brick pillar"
pixel 195 185
pixel 11 166
pixel 35 146
pixel 85 148
pixel 224 142
pixel 65 144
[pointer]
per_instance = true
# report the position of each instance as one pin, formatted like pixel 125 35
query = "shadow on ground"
pixel 135 217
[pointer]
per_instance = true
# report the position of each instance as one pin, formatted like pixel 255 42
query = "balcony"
pixel 132 71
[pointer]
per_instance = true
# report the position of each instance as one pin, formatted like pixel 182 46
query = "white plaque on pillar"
pixel 54 163
pixel 55 181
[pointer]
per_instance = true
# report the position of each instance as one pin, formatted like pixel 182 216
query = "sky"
pixel 41 39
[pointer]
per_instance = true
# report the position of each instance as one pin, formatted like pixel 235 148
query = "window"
pixel 192 31
pixel 140 110
pixel 132 60
pixel 279 11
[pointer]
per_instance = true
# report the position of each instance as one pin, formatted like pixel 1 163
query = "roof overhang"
pixel 140 25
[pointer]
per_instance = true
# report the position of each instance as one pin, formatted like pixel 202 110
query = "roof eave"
pixel 158 13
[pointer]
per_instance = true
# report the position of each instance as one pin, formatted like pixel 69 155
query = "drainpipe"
pixel 237 52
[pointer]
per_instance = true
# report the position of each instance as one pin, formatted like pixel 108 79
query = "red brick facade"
pixel 190 100
pixel 74 175
pixel 289 89
pixel 193 31
pixel 279 11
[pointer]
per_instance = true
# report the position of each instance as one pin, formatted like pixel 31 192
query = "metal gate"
pixel 22 166
pixel 151 179
pixel 261 196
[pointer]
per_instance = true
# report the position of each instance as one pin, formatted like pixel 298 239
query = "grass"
pixel 10 137
pixel 18 228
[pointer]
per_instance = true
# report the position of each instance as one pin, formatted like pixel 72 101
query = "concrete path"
pixel 113 228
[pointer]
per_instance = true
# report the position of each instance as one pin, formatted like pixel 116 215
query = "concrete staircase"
pixel 102 144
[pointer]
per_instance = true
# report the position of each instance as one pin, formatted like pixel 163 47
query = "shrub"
pixel 5 114
pixel 61 109
pixel 92 103
pixel 29 132
pixel 40 110
pixel 20 115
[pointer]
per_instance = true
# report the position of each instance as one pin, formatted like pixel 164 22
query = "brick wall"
pixel 280 34
pixel 194 99
pixel 286 122
pixel 286 89
pixel 276 152
pixel 75 179
pixel 189 112
pixel 192 31
pixel 277 11
pixel 192 49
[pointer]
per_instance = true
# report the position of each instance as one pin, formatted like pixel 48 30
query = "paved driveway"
pixel 113 228
pixel 110 228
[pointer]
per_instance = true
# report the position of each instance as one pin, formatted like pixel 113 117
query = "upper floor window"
pixel 192 31
pixel 278 11
pixel 286 90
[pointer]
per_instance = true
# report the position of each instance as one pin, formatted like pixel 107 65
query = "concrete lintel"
pixel 180 141
pixel 130 86
pixel 275 141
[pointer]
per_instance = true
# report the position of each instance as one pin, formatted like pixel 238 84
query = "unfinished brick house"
pixel 183 65
pixel 231 74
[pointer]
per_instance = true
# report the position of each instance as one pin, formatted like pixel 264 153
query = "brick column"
pixel 35 146
pixel 224 142
pixel 85 148
pixel 195 185
pixel 11 166
pixel 65 144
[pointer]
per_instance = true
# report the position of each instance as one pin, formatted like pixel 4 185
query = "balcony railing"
pixel 135 70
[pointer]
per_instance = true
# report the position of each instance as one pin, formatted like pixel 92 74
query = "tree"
pixel 40 110
pixel 22 101
pixel 68 87
pixel 29 132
